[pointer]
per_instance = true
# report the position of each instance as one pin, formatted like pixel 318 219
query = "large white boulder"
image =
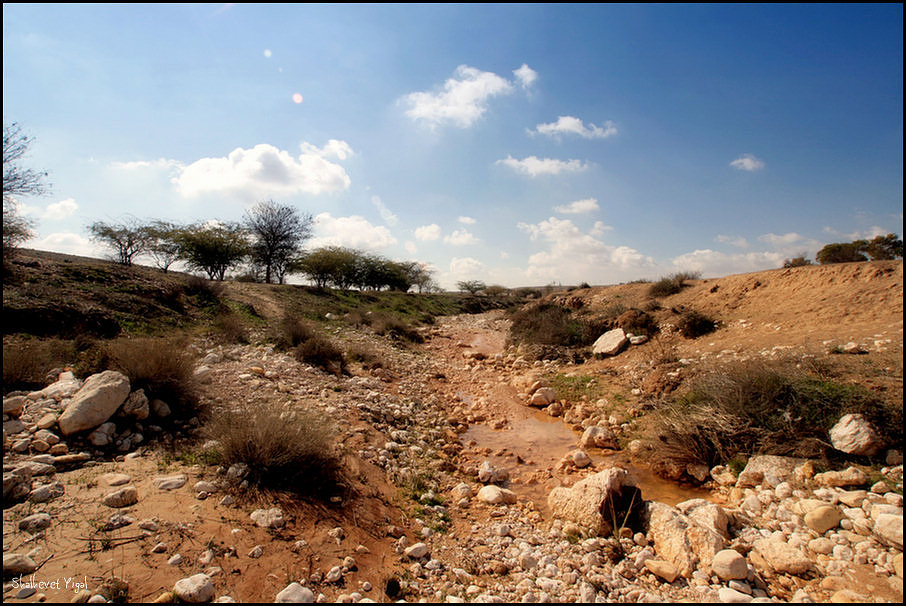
pixel 853 434
pixel 681 539
pixel 584 503
pixel 610 343
pixel 97 400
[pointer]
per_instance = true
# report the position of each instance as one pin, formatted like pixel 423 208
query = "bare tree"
pixel 127 239
pixel 17 181
pixel 278 232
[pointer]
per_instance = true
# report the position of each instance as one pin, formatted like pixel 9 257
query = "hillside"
pixel 431 412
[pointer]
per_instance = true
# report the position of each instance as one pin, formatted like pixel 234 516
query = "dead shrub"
pixel 292 332
pixel 26 364
pixel 387 325
pixel 637 322
pixel 672 284
pixel 205 289
pixel 162 367
pixel 365 356
pixel 550 324
pixel 284 449
pixel 693 324
pixel 322 353
pixel 230 328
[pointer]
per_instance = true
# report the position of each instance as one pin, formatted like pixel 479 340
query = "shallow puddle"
pixel 539 442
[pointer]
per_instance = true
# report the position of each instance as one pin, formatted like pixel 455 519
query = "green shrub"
pixel 693 324
pixel 763 408
pixel 322 353
pixel 284 449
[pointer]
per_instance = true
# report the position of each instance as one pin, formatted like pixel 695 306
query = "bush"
pixel 367 357
pixel 161 367
pixel 284 449
pixel 292 332
pixel 693 324
pixel 397 329
pixel 763 408
pixel 671 284
pixel 26 365
pixel 637 322
pixel 230 327
pixel 205 289
pixel 321 353
pixel 796 262
pixel 549 324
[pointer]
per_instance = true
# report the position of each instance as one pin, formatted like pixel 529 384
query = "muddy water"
pixel 539 442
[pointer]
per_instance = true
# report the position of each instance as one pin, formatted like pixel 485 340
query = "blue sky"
pixel 515 144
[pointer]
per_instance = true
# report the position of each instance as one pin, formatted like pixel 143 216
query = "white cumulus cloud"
pixel 463 100
pixel 526 75
pixel 578 207
pixel 534 166
pixel 69 243
pixel 55 211
pixel 573 256
pixel 466 268
pixel 467 220
pixel 427 233
pixel 570 125
pixel 353 232
pixel 710 263
pixel 747 162
pixel 738 242
pixel 266 170
pixel 461 237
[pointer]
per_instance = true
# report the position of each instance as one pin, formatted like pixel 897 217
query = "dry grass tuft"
pixel 162 367
pixel 284 449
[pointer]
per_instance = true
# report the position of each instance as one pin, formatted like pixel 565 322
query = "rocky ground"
pixel 458 488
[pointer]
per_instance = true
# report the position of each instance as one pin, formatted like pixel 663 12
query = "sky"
pixel 513 144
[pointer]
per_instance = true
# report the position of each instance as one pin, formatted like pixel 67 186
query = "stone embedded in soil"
pixel 583 502
pixel 194 589
pixel 35 522
pixel 294 593
pixel 776 555
pixel 268 518
pixel 663 569
pixel 170 482
pixel 123 497
pixel 17 563
pixel 417 551
pixel 494 495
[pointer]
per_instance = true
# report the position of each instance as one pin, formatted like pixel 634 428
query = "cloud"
pixel 711 263
pixel 427 233
pixel 352 232
pixel 161 163
pixel 569 125
pixel 461 237
pixel 467 220
pixel 573 256
pixel 466 268
pixel 868 234
pixel 534 166
pixel 69 243
pixel 578 207
pixel 738 242
pixel 265 170
pixel 388 217
pixel 526 75
pixel 55 211
pixel 463 100
pixel 410 247
pixel 747 162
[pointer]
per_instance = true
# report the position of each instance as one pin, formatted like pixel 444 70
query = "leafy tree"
pixel 127 239
pixel 471 286
pixel 796 262
pixel 840 252
pixel 421 278
pixel 213 248
pixel 17 181
pixel 883 248
pixel 278 232
pixel 331 265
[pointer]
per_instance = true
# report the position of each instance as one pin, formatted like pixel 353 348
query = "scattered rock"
pixel 123 497
pixel 195 589
pixel 268 518
pixel 96 401
pixel 610 343
pixel 294 593
pixel 495 495
pixel 583 503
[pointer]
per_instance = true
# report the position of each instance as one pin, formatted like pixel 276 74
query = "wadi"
pixel 173 439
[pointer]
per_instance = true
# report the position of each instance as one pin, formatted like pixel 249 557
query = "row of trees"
pixel 879 248
pixel 269 242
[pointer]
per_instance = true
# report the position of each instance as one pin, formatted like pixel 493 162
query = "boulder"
pixel 774 554
pixel 854 434
pixel 598 437
pixel 851 476
pixel 610 343
pixel 137 405
pixel 488 474
pixel 97 400
pixel 662 568
pixel 729 564
pixel 495 495
pixel 710 515
pixel 768 467
pixel 680 539
pixel 15 564
pixel 584 503
pixel 823 518
pixel 65 386
pixel 34 522
pixel 889 529
pixel 543 396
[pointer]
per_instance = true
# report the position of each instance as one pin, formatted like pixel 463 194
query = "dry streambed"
pixel 451 472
